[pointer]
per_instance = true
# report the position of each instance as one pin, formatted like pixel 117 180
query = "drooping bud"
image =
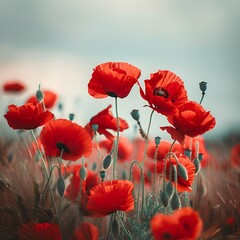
pixel 95 127
pixel 102 175
pixel 83 173
pixel 107 161
pixel 169 189
pixel 94 166
pixel 188 153
pixel 71 116
pixel 203 86
pixel 39 95
pixel 197 165
pixel 164 198
pixel 61 186
pixel 157 140
pixel 176 202
pixel 135 115
pixel 182 172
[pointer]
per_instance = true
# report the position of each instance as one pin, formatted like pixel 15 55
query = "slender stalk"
pixel 203 94
pixel 155 168
pixel 116 144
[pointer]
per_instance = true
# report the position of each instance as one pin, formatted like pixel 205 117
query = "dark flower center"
pixel 166 236
pixel 160 91
pixel 62 146
pixel 112 94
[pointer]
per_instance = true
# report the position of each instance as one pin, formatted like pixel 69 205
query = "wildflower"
pixel 191 119
pixel 14 86
pixel 114 79
pixel 164 92
pixel 105 120
pixel 49 99
pixel 111 196
pixel 40 231
pixel 28 116
pixel 86 231
pixel 64 136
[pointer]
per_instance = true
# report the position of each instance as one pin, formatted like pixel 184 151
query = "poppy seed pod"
pixel 39 95
pixel 203 86
pixel 71 116
pixel 135 115
pixel 157 140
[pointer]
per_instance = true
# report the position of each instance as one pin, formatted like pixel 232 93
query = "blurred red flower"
pixel 105 120
pixel 124 148
pixel 114 79
pixel 235 156
pixel 164 92
pixel 182 185
pixel 191 119
pixel 49 99
pixel 63 135
pixel 183 224
pixel 39 231
pixel 111 196
pixel 86 231
pixel 14 86
pixel 28 116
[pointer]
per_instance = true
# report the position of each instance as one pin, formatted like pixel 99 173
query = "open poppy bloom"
pixel 111 196
pixel 28 116
pixel 191 119
pixel 105 120
pixel 182 184
pixel 49 99
pixel 63 136
pixel 164 92
pixel 184 223
pixel 86 231
pixel 40 231
pixel 114 79
pixel 14 87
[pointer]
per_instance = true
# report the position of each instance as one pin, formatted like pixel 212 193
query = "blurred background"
pixel 57 44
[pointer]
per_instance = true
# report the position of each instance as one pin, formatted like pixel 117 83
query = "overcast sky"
pixel 57 43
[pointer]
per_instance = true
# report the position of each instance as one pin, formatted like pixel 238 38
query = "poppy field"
pixel 61 180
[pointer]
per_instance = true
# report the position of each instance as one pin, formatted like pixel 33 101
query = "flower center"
pixel 160 91
pixel 112 94
pixel 166 236
pixel 62 146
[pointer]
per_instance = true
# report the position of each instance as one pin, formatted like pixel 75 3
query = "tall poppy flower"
pixel 14 86
pixel 114 79
pixel 86 231
pixel 191 119
pixel 40 231
pixel 49 99
pixel 62 135
pixel 28 116
pixel 164 92
pixel 111 196
pixel 182 184
pixel 105 120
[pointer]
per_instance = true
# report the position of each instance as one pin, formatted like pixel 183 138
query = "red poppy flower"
pixel 63 135
pixel 49 99
pixel 86 231
pixel 235 156
pixel 114 79
pixel 191 119
pixel 105 120
pixel 184 223
pixel 40 231
pixel 28 116
pixel 111 196
pixel 164 92
pixel 182 185
pixel 124 148
pixel 14 86
pixel 190 223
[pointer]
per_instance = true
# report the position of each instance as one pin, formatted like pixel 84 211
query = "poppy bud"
pixel 60 186
pixel 157 140
pixel 71 116
pixel 169 189
pixel 176 203
pixel 200 156
pixel 188 153
pixel 164 198
pixel 182 172
pixel 83 173
pixel 39 95
pixel 135 115
pixel 115 228
pixel 95 127
pixel 102 175
pixel 203 86
pixel 94 166
pixel 197 165
pixel 107 162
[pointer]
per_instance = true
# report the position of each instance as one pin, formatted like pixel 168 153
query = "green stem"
pixel 116 145
pixel 155 168
pixel 203 94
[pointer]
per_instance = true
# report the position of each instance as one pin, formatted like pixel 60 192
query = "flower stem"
pixel 203 94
